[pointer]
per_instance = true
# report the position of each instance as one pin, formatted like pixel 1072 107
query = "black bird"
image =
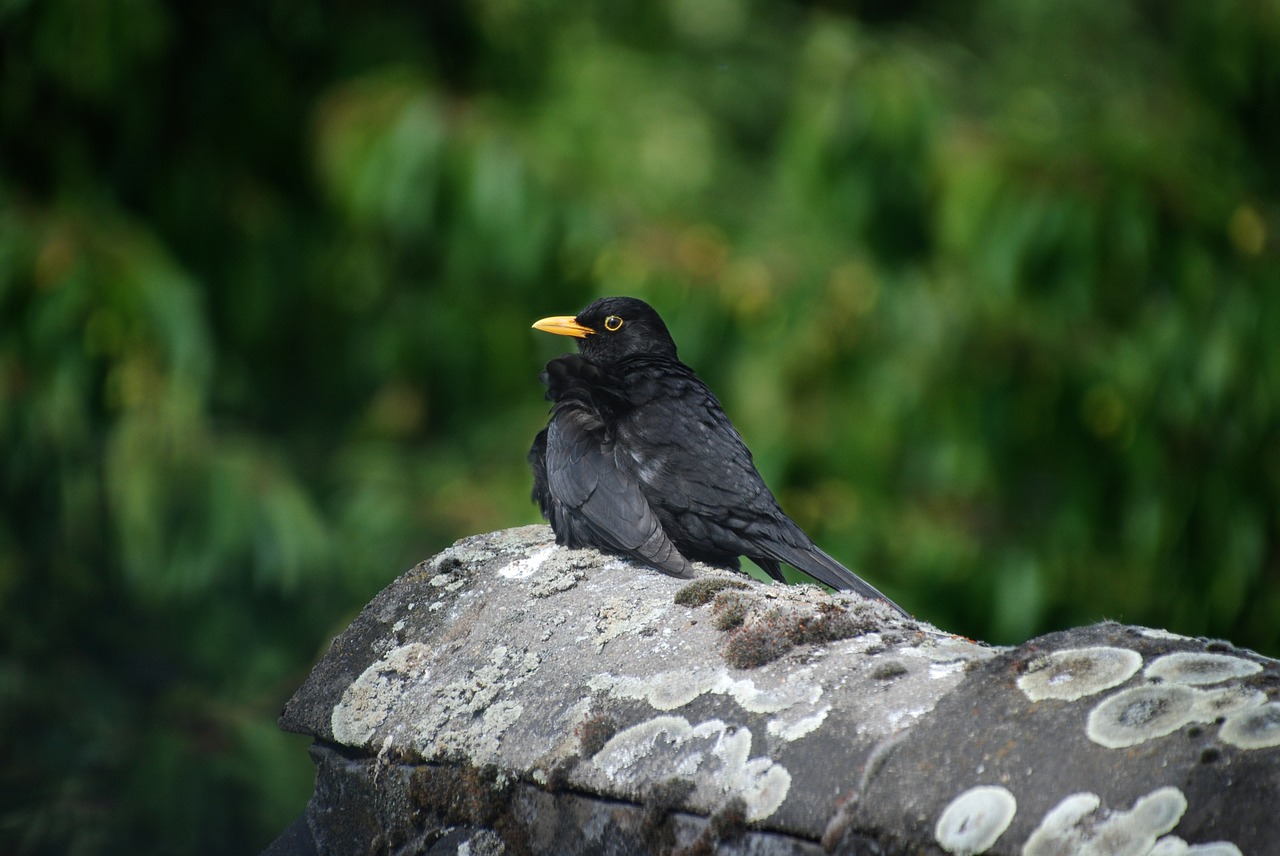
pixel 639 458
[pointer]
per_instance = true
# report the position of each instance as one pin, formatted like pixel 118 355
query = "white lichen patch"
pixel 1198 669
pixel 1172 845
pixel 663 691
pixel 789 731
pixel 671 690
pixel 799 688
pixel 950 648
pixel 899 718
pixel 1160 633
pixel 366 703
pixel 500 716
pixel 1136 715
pixel 471 713
pixel 1223 701
pixel 944 659
pixel 472 552
pixel 1061 826
pixel 1253 728
pixel 526 567
pixel 1140 714
pixel 547 585
pixel 714 756
pixel 946 669
pixel 1075 673
pixel 1081 826
pixel 620 617
pixel 1157 812
pixel 973 821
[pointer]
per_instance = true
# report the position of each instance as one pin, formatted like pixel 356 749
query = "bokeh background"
pixel 992 289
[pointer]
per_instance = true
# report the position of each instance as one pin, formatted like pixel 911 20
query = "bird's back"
pixel 692 464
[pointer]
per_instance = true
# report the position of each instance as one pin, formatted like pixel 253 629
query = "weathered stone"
pixel 511 696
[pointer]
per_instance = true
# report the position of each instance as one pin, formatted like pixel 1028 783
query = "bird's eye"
pixel 613 323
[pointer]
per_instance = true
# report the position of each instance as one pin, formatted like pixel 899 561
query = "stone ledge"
pixel 525 698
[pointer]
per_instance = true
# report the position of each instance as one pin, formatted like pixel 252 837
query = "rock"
pixel 512 696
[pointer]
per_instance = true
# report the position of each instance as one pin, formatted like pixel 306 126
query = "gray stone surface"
pixel 510 696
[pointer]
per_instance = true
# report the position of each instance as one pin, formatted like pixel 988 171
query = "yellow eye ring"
pixel 613 323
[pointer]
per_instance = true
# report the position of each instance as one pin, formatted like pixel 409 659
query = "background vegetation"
pixel 992 289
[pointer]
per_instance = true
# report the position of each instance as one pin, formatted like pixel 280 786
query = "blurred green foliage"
pixel 991 289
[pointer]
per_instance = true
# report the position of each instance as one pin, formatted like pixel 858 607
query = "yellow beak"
pixel 563 325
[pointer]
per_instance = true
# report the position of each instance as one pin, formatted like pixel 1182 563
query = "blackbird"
pixel 639 458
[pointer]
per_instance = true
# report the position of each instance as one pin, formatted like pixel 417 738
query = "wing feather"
pixel 600 503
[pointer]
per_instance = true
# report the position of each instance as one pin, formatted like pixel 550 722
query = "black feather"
pixel 639 458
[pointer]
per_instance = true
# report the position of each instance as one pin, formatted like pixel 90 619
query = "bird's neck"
pixel 645 363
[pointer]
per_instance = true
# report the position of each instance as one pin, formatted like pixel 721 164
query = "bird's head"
pixel 613 328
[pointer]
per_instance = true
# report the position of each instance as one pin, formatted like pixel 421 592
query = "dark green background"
pixel 991 288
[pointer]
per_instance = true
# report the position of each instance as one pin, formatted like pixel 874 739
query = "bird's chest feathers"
pixel 664 429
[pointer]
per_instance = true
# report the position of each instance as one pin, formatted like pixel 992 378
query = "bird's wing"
pixel 552 509
pixel 601 504
pixel 695 469
pixel 537 459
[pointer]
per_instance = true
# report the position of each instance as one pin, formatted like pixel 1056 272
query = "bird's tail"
pixel 823 568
